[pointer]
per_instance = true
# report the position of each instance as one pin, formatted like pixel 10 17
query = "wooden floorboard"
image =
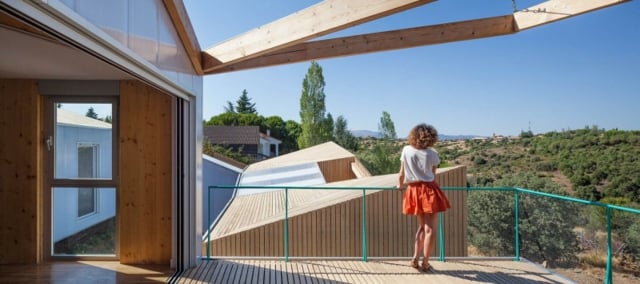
pixel 376 271
pixel 85 272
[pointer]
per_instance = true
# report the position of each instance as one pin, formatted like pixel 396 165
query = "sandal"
pixel 414 263
pixel 425 267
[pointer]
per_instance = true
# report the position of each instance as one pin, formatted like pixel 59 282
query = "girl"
pixel 423 197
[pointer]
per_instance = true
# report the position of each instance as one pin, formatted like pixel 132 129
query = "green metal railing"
pixel 516 191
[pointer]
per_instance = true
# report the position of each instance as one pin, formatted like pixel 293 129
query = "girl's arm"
pixel 401 176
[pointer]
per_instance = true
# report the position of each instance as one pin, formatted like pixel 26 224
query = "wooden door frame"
pixel 49 181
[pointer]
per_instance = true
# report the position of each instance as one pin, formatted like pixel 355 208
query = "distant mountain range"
pixel 375 134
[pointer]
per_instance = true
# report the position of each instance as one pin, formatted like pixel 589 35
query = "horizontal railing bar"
pixel 627 209
pixel 304 187
pixel 529 191
pixel 562 197
pixel 470 188
pixel 353 258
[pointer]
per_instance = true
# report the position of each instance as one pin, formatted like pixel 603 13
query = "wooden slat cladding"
pixel 337 170
pixel 144 205
pixel 335 230
pixel 20 167
pixel 391 233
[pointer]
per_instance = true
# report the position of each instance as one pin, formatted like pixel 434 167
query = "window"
pixel 87 168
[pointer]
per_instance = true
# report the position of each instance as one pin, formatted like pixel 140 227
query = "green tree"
pixel 546 225
pixel 278 129
pixel 250 119
pixel 275 125
pixel 342 135
pixel 226 118
pixel 620 220
pixel 244 105
pixel 383 157
pixel 208 148
pixel 386 127
pixel 229 108
pixel 293 130
pixel 313 122
pixel 91 113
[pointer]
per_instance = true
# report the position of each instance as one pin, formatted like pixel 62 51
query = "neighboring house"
pixel 83 145
pixel 246 139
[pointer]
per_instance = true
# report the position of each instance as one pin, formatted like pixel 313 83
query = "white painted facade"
pixel 75 132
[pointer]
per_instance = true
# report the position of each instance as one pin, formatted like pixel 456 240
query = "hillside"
pixel 589 163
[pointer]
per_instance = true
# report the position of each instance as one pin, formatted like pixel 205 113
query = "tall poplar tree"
pixel 314 125
pixel 386 127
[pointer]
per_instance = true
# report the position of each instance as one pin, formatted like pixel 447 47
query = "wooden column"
pixel 145 174
pixel 20 167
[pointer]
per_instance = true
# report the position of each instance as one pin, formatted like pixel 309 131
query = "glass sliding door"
pixel 81 147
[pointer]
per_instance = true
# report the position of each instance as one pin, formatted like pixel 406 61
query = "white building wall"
pixel 65 200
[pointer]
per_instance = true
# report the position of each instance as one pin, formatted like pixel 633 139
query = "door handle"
pixel 49 142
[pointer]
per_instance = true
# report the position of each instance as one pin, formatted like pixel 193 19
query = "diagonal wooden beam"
pixel 554 10
pixel 320 19
pixel 547 12
pixel 382 41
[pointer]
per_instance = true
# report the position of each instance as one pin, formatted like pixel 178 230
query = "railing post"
pixel 609 277
pixel 441 236
pixel 208 223
pixel 517 226
pixel 364 225
pixel 286 224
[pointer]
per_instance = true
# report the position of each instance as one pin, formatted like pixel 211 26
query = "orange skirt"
pixel 424 197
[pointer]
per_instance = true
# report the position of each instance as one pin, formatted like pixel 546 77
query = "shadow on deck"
pixel 378 271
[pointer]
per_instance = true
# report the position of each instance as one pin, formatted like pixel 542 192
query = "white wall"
pixel 65 200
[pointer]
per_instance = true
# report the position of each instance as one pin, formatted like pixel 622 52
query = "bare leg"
pixel 419 240
pixel 429 235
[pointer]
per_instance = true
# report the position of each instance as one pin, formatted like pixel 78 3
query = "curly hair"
pixel 423 136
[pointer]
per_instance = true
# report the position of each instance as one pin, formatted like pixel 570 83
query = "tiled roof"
pixel 248 135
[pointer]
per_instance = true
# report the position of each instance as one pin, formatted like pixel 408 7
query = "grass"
pixel 97 239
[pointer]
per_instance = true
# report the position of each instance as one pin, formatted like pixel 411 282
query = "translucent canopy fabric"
pixel 304 174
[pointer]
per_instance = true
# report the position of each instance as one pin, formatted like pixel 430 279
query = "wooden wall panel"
pixel 337 170
pixel 20 171
pixel 336 231
pixel 145 174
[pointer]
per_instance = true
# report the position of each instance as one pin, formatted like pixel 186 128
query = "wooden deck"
pixel 278 271
pixel 378 271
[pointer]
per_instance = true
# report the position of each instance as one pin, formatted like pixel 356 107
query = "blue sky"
pixel 577 72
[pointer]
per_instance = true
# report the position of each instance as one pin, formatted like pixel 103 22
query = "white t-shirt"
pixel 418 164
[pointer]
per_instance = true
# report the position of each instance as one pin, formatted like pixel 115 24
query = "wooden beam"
pixel 382 41
pixel 178 14
pixel 554 10
pixel 320 19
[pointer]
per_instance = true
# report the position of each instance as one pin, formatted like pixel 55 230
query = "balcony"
pixel 360 238
pixel 372 264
